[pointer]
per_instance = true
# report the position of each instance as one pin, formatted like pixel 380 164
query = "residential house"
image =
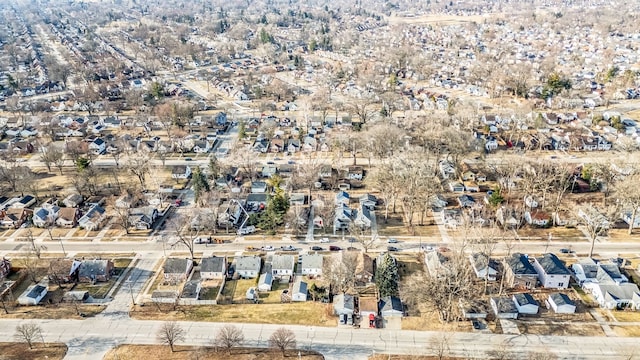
pixel 519 272
pixel 258 187
pixel 456 186
pixel 73 201
pixel 368 200
pixel 344 307
pixel 265 281
pixel 176 269
pixel 142 218
pixel 248 267
pixel 504 308
pixel 537 218
pixel 483 266
pixel 365 269
pixel 282 265
pixel 390 306
pixel 268 171
pixel 447 169
pixel 342 198
pixel 213 267
pixel 355 173
pixel 552 272
pixel 181 172
pixel 526 304
pixel 561 303
pixel 93 219
pixel 342 219
pixel 5 268
pixel 95 270
pixel 201 146
pixel 364 217
pixel 435 262
pixel 626 217
pixel 615 296
pixel 97 146
pixel 473 309
pixel 311 264
pixel 14 217
pixel 24 202
pixel 591 271
pixel 466 201
pixel 45 216
pixel 33 294
pixel 256 202
pixel 299 291
pixel 67 217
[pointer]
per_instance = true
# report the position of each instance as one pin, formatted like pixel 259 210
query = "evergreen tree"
pixel 214 168
pixel 200 184
pixel 387 276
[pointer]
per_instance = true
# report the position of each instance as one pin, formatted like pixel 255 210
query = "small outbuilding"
pixel 561 303
pixel 526 304
pixel 33 295
pixel 299 291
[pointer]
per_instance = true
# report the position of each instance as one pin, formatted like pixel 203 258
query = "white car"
pixel 268 248
pixel 324 240
pixel 392 241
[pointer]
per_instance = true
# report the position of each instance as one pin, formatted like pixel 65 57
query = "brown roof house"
pixel 95 270
pixel 68 217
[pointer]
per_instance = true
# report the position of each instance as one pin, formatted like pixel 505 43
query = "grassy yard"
pixel 629 331
pixel 203 353
pixel 586 298
pixel 430 322
pixel 304 313
pixel 560 329
pixel 626 316
pixel 209 293
pixel 241 288
pixel 20 351
pixel 274 296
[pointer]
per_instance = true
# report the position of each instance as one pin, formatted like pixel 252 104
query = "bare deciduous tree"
pixel 170 333
pixel 628 194
pixel 282 339
pixel 28 333
pixel 340 270
pixel 595 221
pixel 228 337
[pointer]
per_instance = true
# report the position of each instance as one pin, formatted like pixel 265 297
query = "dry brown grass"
pixel 307 313
pixel 626 316
pixel 20 351
pixel 130 352
pixel 53 311
pixel 395 226
pixel 560 329
pixel 629 331
pixel 428 321
pixel 622 235
pixel 409 357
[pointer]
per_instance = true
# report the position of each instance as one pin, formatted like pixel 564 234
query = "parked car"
pixel 178 202
pixel 392 241
pixel 188 159
pixel 334 248
pixel 288 248
pixel 247 230
pixel 324 240
pixel 203 240
pixel 251 248
pixel 428 248
pixel 268 248
pixel 392 248
pixel 317 248
pixel 566 251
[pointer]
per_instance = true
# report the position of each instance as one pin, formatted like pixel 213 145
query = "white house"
pixel 626 217
pixel 97 146
pixel 390 306
pixel 299 291
pixel 282 265
pixel 311 264
pixel 552 272
pixel 504 308
pixel 483 266
pixel 213 267
pixel 45 215
pixel 93 219
pixel 561 304
pixel 526 304
pixel 181 172
pixel 248 267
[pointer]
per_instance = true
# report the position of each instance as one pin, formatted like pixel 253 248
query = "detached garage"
pixel 561 304
pixel 33 295
pixel 525 304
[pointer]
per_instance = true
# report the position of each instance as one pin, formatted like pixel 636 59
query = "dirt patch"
pixel 560 329
pixel 307 313
pixel 203 353
pixel 20 351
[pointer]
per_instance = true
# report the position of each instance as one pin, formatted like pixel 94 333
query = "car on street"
pixel 203 240
pixel 351 248
pixel 251 248
pixel 288 248
pixel 392 248
pixel 291 162
pixel 392 241
pixel 324 240
pixel 352 239
pixel 428 248
pixel 334 248
pixel 270 163
pixel 566 251
pixel 317 248
pixel 188 159
pixel 268 248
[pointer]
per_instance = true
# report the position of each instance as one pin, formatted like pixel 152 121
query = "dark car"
pixel 231 271
pixel 188 159
pixel 566 251
pixel 317 248
pixel 351 248
pixel 392 248
pixel 334 248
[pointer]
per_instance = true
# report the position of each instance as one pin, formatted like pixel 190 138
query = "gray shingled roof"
pixel 525 299
pixel 312 261
pixel 176 266
pixel 89 268
pixel 552 265
pixel 282 262
pixel 244 263
pixel 561 299
pixel 212 264
pixel 520 265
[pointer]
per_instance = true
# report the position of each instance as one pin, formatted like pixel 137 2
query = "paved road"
pixel 91 338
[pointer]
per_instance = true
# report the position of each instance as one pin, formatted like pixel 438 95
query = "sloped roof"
pixel 524 299
pixel 244 263
pixel 299 287
pixel 390 303
pixel 95 267
pixel 282 262
pixel 520 265
pixel 212 264
pixel 561 299
pixel 312 261
pixel 552 265
pixel 176 266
